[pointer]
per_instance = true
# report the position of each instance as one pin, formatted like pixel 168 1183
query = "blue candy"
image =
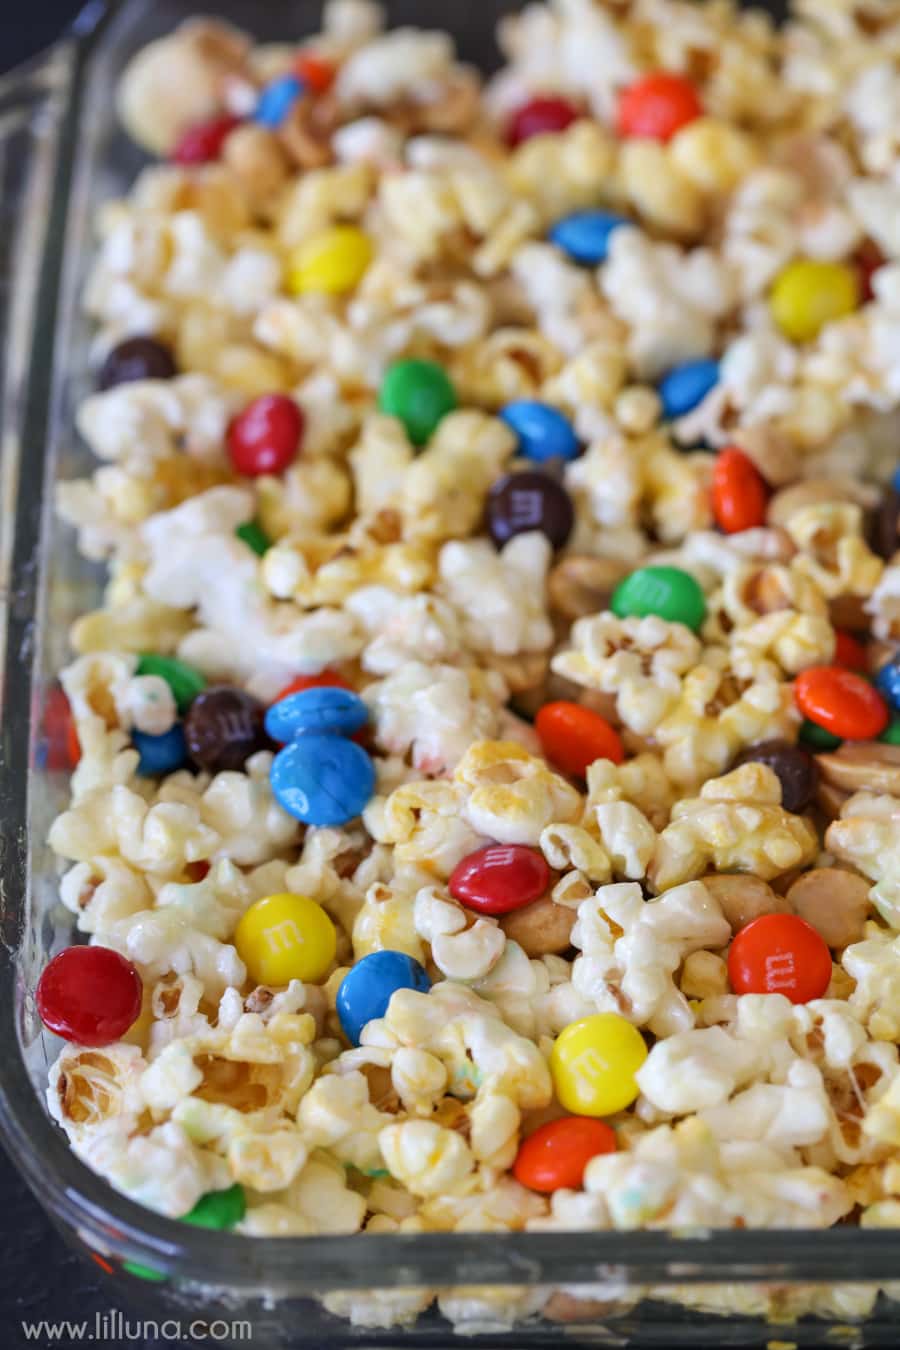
pixel 331 711
pixel 584 235
pixel 543 432
pixel 684 386
pixel 322 779
pixel 887 682
pixel 366 990
pixel 160 754
pixel 895 480
pixel 277 99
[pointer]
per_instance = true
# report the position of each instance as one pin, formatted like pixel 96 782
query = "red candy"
pixel 780 954
pixel 739 493
pixel 202 143
pixel 265 437
pixel 842 702
pixel 63 750
pixel 869 258
pixel 315 72
pixel 547 113
pixel 849 652
pixel 500 878
pixel 555 1156
pixel 657 106
pixel 326 679
pixel 572 737
pixel 89 995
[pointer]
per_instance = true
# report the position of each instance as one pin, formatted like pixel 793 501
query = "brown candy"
pixel 529 501
pixel 794 767
pixel 223 727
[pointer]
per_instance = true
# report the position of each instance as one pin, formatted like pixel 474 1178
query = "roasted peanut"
pixel 814 491
pixel 256 157
pixel 835 902
pixel 743 898
pixel 830 799
pixel 580 585
pixel 541 929
pixel 860 766
pixel 703 975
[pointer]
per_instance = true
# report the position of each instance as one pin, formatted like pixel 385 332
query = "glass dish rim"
pixel 298 1265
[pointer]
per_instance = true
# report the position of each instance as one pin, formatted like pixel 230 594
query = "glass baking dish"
pixel 60 155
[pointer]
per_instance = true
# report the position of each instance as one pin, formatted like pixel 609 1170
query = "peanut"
pixel 835 902
pixel 580 585
pixel 541 929
pixel 744 898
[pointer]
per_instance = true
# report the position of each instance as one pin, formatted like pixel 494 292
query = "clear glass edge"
pixel 67 1189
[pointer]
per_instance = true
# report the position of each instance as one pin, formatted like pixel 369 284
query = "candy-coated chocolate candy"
pixel 593 1064
pixel 367 989
pixel 529 501
pixel 315 71
pixel 542 432
pixel 656 106
pixel 332 262
pixel 322 780
pixel 868 260
pixel 203 142
pixel 420 394
pixel 265 437
pixel 849 652
pixel 286 937
pixel 499 878
pixel 547 114
pixel 223 728
pixel 554 1157
pixel 794 767
pixel 585 235
pixel 739 492
pixel 277 99
pixel 572 737
pixel 326 679
pixel 667 591
pixel 842 702
pixel 59 749
pixel 684 386
pixel 810 293
pixel 332 711
pixel 255 537
pixel 160 754
pixel 89 995
pixel 780 954
pixel 887 681
pixel 891 733
pixel 816 737
pixel 137 358
pixel 184 681
pixel 218 1209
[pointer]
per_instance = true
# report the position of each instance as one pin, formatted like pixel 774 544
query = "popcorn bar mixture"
pixel 487 802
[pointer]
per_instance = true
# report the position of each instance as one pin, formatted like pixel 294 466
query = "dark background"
pixel 40 1277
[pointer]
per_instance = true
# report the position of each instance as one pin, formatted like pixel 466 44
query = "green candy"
pixel 817 738
pixel 143 1272
pixel 420 393
pixel 184 681
pixel 891 733
pixel 218 1209
pixel 255 537
pixel 667 591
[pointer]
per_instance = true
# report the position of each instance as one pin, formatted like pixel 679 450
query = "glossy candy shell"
pixel 367 988
pixel 585 235
pixel 160 754
pixel 329 710
pixel 500 878
pixel 542 432
pixel 322 780
pixel 683 387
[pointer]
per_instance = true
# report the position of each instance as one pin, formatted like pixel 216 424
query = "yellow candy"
pixel 286 937
pixel 809 294
pixel 333 261
pixel 593 1063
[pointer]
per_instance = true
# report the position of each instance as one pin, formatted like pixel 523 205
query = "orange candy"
pixel 555 1156
pixel 315 72
pixel 572 737
pixel 326 679
pixel 739 493
pixel 657 106
pixel 849 652
pixel 780 954
pixel 842 702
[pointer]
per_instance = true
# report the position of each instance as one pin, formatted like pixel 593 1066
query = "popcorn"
pixel 426 1158
pixel 499 596
pixel 736 824
pixel 512 795
pixel 630 950
pixel 460 952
